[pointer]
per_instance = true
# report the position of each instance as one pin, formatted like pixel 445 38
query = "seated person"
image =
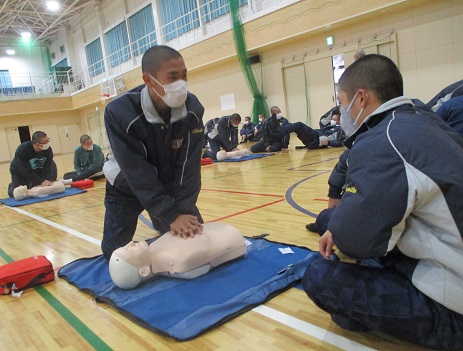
pixel 21 192
pixel 208 128
pixel 247 131
pixel 272 139
pixel 331 135
pixel 325 120
pixel 223 155
pixel 258 128
pixel 451 112
pixel 88 161
pixel 223 136
pixel 451 91
pixel 32 163
pixel 171 255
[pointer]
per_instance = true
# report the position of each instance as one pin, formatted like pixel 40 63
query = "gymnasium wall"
pixel 425 39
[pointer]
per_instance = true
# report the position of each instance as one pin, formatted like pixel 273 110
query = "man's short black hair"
pixel 235 118
pixel 155 56
pixel 373 72
pixel 37 136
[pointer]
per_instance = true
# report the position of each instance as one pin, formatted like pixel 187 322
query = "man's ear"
pixel 146 78
pixel 363 97
pixel 144 271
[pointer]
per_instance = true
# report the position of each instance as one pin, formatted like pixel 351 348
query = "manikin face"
pixel 135 253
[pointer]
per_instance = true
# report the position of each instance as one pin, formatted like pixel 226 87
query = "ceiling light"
pixel 26 35
pixel 53 5
pixel 10 52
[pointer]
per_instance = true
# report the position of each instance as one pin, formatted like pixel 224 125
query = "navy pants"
pixel 121 217
pixel 261 147
pixel 322 220
pixel 87 174
pixel 215 148
pixel 307 135
pixel 374 297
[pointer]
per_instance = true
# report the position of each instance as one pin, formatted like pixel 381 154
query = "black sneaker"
pixel 311 227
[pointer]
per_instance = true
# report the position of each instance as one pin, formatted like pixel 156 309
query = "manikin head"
pixel 130 265
pixel 221 155
pixel 20 193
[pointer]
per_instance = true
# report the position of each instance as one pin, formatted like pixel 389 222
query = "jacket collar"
pixel 371 120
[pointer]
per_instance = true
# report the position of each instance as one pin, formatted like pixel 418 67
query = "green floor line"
pixel 68 316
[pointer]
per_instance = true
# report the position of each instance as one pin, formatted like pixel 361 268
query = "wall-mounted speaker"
pixel 61 48
pixel 254 59
pixel 53 55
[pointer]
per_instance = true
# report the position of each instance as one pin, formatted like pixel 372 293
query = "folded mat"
pixel 11 202
pixel 245 158
pixel 184 309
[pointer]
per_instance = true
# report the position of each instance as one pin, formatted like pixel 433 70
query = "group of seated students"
pixel 271 134
pixel 34 172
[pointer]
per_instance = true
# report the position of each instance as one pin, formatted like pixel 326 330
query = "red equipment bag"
pixel 25 273
pixel 82 184
pixel 206 161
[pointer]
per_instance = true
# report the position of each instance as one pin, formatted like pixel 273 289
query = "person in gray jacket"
pixel 155 133
pixel 400 216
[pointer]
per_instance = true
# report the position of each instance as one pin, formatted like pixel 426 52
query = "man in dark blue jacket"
pixel 224 135
pixel 155 133
pixel 247 130
pixel 272 139
pixel 399 216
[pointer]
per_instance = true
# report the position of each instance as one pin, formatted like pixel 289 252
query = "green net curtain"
pixel 259 104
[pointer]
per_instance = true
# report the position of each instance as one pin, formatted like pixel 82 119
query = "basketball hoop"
pixel 104 97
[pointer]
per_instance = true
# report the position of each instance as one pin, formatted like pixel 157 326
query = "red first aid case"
pixel 25 273
pixel 82 184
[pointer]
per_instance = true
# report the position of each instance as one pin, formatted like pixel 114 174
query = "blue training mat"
pixel 184 309
pixel 9 201
pixel 245 158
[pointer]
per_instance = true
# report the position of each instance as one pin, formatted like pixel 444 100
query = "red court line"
pixel 249 210
pixel 241 192
pixel 326 200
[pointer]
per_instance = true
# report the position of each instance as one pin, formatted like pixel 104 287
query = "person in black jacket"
pixel 32 164
pixel 155 133
pixel 272 139
pixel 224 135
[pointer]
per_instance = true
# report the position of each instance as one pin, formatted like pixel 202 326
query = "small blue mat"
pixel 9 201
pixel 184 309
pixel 245 158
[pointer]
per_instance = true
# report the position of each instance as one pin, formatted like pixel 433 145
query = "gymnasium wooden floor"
pixel 273 195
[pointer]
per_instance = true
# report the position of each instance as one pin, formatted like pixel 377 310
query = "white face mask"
pixel 175 92
pixel 279 116
pixel 246 123
pixel 333 123
pixel 89 148
pixel 347 125
pixel 261 119
pixel 44 146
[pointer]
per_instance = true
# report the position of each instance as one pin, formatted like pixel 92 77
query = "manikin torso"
pixel 21 192
pixel 176 257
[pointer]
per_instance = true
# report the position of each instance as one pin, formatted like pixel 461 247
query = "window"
pixel 95 58
pixel 5 79
pixel 117 42
pixel 142 30
pixel 212 9
pixel 178 17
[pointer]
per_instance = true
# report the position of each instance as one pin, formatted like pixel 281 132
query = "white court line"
pixel 310 329
pixel 280 317
pixel 58 226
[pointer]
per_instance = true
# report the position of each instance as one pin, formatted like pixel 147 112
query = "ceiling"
pixel 17 16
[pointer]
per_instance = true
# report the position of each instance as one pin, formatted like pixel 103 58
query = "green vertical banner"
pixel 259 104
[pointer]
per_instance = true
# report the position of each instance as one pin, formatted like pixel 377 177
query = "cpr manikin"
pixel 174 256
pixel 21 192
pixel 224 155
